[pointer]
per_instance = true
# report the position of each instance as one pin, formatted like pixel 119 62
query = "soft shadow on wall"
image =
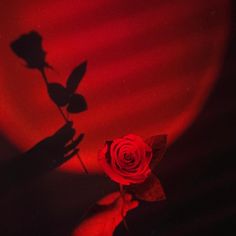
pixel 151 66
pixel 198 182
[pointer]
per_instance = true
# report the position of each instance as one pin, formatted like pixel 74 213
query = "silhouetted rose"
pixel 126 160
pixel 29 48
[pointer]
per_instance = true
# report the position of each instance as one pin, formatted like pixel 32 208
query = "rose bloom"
pixel 126 160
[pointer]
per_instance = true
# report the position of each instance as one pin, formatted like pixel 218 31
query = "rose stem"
pixel 80 160
pixel 122 193
pixel 66 120
pixel 46 82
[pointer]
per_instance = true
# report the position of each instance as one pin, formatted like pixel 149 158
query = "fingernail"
pixel 128 197
pixel 135 203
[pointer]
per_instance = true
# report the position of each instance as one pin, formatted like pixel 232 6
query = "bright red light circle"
pixel 151 66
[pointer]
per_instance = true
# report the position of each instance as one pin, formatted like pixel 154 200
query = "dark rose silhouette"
pixel 29 48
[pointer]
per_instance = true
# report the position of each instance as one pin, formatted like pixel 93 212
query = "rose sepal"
pixel 150 190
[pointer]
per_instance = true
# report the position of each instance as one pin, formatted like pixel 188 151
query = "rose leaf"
pixel 58 94
pixel 77 104
pixel 158 144
pixel 150 190
pixel 75 77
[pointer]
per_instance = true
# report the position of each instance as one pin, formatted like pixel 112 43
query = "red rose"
pixel 126 160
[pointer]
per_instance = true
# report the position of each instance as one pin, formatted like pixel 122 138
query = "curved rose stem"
pixel 67 115
pixel 44 76
pixel 66 120
pixel 46 82
pixel 77 154
pixel 82 164
pixel 122 193
pixel 63 115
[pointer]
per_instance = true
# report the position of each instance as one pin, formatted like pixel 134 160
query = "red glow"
pixel 151 66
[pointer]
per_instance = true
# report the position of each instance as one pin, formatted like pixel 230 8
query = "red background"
pixel 151 66
pixel 177 51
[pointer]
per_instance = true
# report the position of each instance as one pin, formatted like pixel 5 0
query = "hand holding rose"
pixel 130 161
pixel 107 215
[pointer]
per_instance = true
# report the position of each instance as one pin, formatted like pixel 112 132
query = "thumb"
pixel 124 204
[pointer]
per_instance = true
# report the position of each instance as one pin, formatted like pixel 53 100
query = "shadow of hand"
pixel 53 151
pixel 48 154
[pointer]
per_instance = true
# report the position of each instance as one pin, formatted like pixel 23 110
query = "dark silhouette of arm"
pixel 46 155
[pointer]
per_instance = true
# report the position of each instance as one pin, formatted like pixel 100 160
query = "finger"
pixel 109 199
pixel 69 156
pixel 64 134
pixel 67 125
pixel 59 162
pixel 118 206
pixel 66 158
pixel 126 203
pixel 74 144
pixel 131 205
pixel 127 197
pixel 120 200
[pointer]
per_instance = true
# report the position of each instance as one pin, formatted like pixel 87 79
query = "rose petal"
pixel 107 168
pixel 129 160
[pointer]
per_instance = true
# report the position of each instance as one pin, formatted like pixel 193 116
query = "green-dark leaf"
pixel 75 77
pixel 150 190
pixel 158 143
pixel 58 94
pixel 77 104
